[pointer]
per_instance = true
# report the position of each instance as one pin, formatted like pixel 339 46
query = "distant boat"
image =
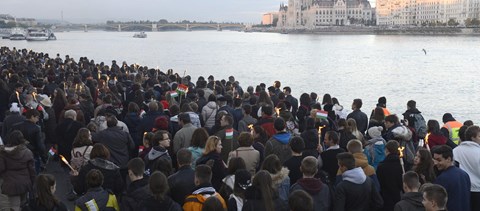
pixel 17 34
pixel 37 35
pixel 140 35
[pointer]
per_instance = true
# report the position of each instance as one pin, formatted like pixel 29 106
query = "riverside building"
pixel 311 14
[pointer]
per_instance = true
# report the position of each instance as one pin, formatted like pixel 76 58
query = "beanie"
pixel 161 123
pixel 375 132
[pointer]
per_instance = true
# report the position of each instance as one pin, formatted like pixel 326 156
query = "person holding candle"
pixel 434 136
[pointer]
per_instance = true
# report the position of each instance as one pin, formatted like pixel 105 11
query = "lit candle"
pixel 66 162
pixel 250 126
pixel 277 110
pixel 18 97
pixel 426 141
pixel 34 94
pixel 400 150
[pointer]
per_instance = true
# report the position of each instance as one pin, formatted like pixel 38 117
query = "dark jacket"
pixel 103 199
pixel 279 145
pixel 330 163
pixel 181 183
pixel 357 192
pixel 50 125
pixel 16 169
pixel 33 134
pixel 118 142
pixel 167 204
pixel 319 192
pixel 9 122
pixel 136 192
pixel 113 181
pixel 411 201
pixel 293 164
pixel 153 155
pixel 66 133
pixel 389 174
pixel 219 171
pixel 76 108
pixel 458 184
pixel 147 122
pixel 254 201
pixel 132 120
pixel 345 137
pixel 310 137
pixel 33 205
pixel 229 145
pixel 361 119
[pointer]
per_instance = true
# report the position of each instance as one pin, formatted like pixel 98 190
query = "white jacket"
pixel 466 154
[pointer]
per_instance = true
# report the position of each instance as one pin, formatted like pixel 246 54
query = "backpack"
pixel 420 125
pixel 78 159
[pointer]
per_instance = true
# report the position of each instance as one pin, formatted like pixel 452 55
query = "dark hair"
pixel 111 120
pixel 288 89
pixel 133 107
pixel 297 144
pixel 309 166
pixel 82 138
pixel 346 159
pixel 300 200
pixel 472 132
pixel 245 139
pixel 43 187
pixel 468 123
pixel 99 151
pixel 461 132
pixel 199 138
pixel 15 138
pixel 94 178
pixel 392 147
pixel 247 109
pixel 392 118
pixel 158 136
pixel 333 136
pixel 212 204
pixel 235 164
pixel 305 99
pixel 32 113
pixel 228 118
pixel 279 124
pixel 425 166
pixel 436 193
pixel 378 114
pixel 162 165
pixel 267 110
pixel 184 157
pixel 158 185
pixel 272 164
pixel 412 104
pixel 443 150
pixel 411 180
pixel 358 103
pixel 184 117
pixel 327 99
pixel 203 173
pixel 433 127
pixel 137 166
pixel 263 181
pixel 262 134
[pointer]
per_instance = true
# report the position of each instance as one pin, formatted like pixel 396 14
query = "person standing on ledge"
pixel 360 118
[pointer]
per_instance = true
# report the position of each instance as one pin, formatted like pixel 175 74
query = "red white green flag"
pixel 322 114
pixel 173 94
pixel 182 89
pixel 229 133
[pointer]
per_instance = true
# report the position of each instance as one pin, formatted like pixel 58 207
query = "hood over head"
pixel 283 137
pixel 355 175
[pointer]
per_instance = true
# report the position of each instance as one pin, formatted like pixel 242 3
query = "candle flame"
pixel 426 139
pixel 400 150
pixel 250 126
pixel 320 128
pixel 277 110
pixel 64 160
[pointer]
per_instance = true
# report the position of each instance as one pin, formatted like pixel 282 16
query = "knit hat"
pixel 375 132
pixel 14 108
pixel 243 179
pixel 161 123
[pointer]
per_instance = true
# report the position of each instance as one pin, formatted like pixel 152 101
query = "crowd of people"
pixel 137 138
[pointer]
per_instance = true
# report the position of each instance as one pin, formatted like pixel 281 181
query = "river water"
pixel 445 79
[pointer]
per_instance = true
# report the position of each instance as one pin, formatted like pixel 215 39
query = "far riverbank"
pixel 375 30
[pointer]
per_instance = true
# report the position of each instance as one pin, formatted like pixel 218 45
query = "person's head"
pixel 382 101
pixel 354 146
pixel 245 139
pixel 70 114
pixel 247 109
pixel 297 144
pixel 15 138
pixel 287 90
pixel 212 204
pixel 94 178
pixel 461 133
pixel 300 200
pixel 158 185
pixel 263 181
pixel 392 147
pixel 184 157
pixel 153 106
pixel 226 120
pixel 99 151
pixel 331 138
pixel 346 161
pixel 327 99
pixel 279 124
pixel 447 117
pixel 162 165
pixel 411 182
pixel 111 121
pixel 473 133
pixel 184 118
pixel 411 104
pixel 435 198
pixel 433 126
pixel 378 114
pixel 272 164
pixel 352 124
pixel 442 157
pixel 309 166
pixel 267 110
pixel 199 137
pixel 133 107
pixel 357 104
pixel 375 132
pixel 161 138
pixel 83 138
pixel 243 179
pixel 235 164
pixel 305 99
pixel 391 120
pixel 203 174
pixel 214 144
pixel 32 115
pixel 45 187
pixel 136 167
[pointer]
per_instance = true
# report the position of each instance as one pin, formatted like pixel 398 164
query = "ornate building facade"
pixel 310 14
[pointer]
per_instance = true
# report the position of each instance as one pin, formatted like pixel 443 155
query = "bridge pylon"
pixel 154 27
pixel 219 28
pixel 119 28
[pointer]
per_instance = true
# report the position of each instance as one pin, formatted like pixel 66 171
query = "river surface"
pixel 445 79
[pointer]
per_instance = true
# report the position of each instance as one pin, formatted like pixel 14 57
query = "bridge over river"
pixel 150 26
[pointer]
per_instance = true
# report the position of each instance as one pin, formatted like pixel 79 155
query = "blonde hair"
pixel 211 144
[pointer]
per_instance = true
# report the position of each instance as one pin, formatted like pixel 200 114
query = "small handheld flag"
pixel 322 114
pixel 229 133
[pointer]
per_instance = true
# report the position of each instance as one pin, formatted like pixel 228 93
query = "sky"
pixel 99 11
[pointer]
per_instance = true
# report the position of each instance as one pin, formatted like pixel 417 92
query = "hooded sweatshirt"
pixel 411 201
pixel 319 192
pixel 281 182
pixel 16 167
pixel 208 114
pixel 375 151
pixel 278 145
pixel 155 153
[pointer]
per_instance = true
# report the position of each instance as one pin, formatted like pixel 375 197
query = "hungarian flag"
pixel 52 151
pixel 322 114
pixel 182 89
pixel 229 133
pixel 173 94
